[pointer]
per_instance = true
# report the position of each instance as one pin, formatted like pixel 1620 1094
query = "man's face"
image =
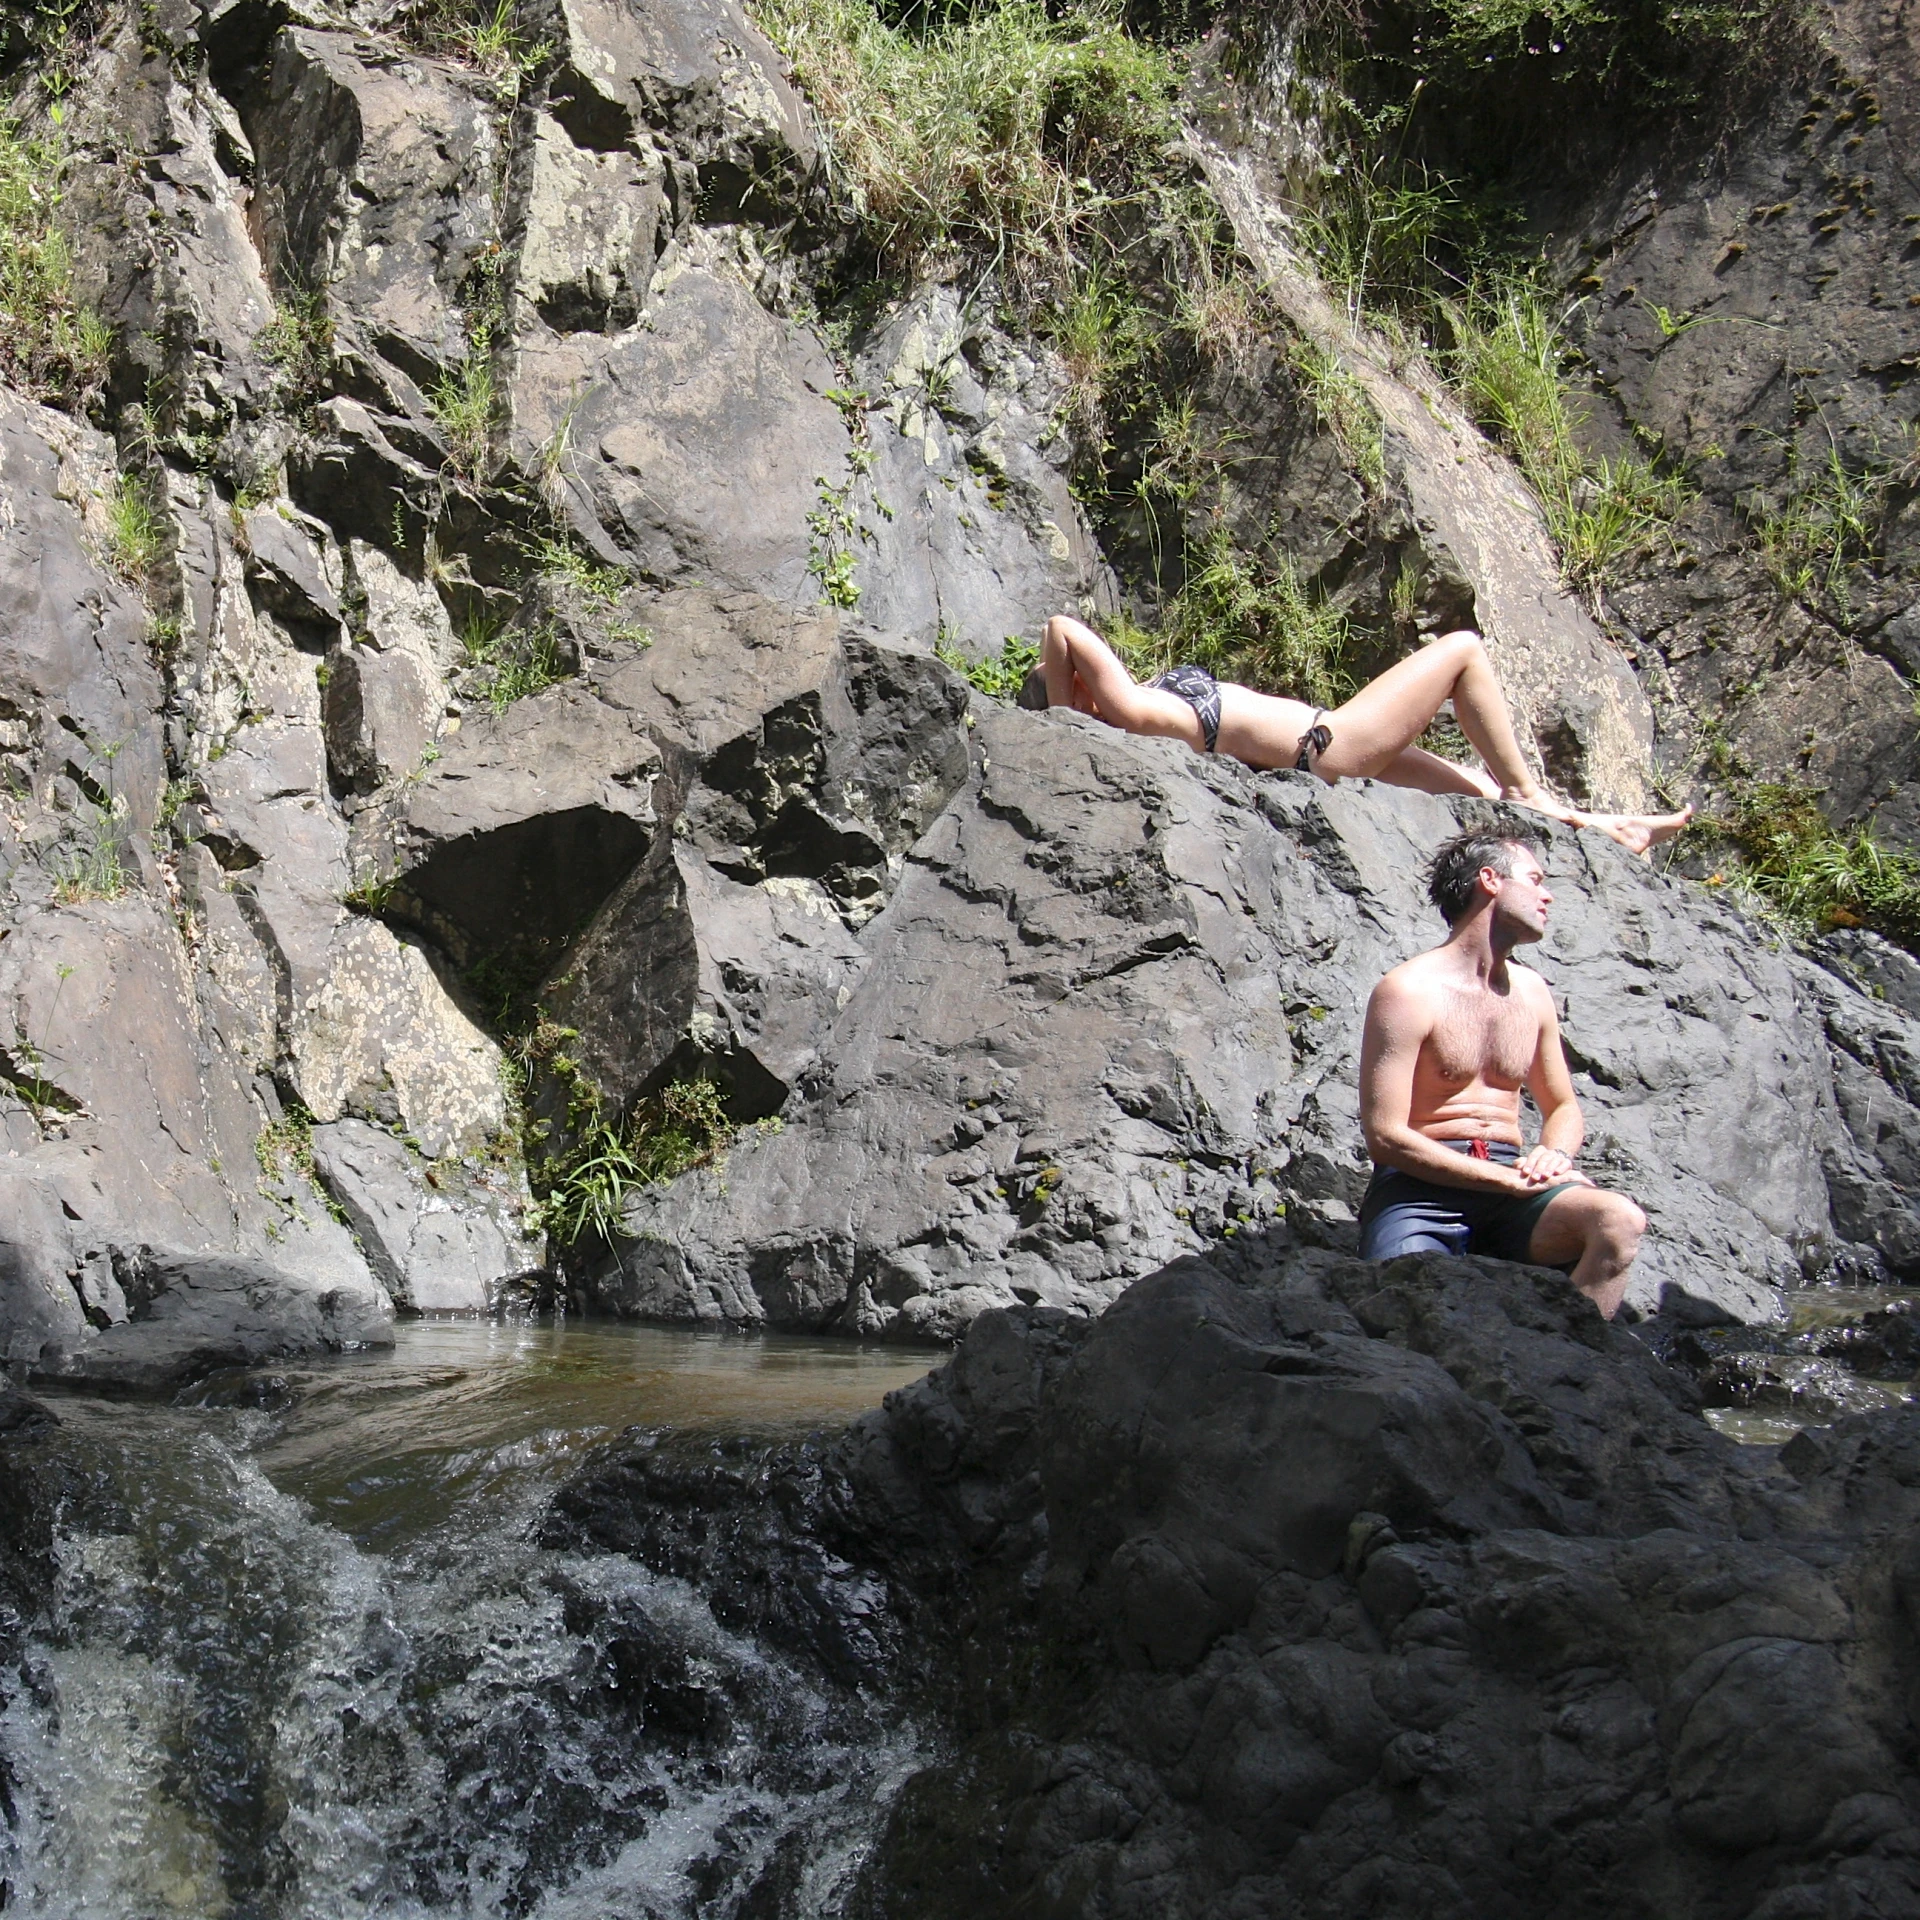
pixel 1520 896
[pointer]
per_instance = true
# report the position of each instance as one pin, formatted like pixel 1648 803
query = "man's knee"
pixel 1619 1224
pixel 1463 644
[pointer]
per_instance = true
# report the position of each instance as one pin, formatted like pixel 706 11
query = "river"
pixel 308 1661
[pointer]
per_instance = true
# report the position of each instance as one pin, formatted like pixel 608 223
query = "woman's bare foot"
pixel 1638 832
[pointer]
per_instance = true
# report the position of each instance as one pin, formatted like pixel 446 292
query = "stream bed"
pixel 308 1659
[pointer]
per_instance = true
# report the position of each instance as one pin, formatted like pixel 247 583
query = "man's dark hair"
pixel 1453 876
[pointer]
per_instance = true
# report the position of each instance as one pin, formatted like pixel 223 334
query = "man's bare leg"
pixel 1374 730
pixel 1600 1232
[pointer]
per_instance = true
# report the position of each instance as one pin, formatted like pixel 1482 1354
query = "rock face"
pixel 1111 1012
pixel 504 599
pixel 1298 1583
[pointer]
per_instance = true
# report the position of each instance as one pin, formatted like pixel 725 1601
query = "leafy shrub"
pixel 585 1186
pixel 1000 676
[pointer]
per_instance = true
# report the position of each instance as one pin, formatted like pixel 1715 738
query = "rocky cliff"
pixel 474 578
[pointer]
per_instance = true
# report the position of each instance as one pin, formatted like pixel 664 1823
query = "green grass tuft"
pixel 51 345
pixel 1795 864
pixel 1004 130
pixel 1251 620
pixel 516 662
pixel 1511 364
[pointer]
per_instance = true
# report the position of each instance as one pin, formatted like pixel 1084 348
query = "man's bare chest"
pixel 1482 1036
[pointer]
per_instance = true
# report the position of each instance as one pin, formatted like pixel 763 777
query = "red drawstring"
pixel 1477 1150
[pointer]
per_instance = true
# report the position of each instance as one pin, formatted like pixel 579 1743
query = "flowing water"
pixel 307 1658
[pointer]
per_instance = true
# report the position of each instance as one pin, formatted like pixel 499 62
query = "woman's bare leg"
pixel 1429 773
pixel 1376 728
pixel 1071 651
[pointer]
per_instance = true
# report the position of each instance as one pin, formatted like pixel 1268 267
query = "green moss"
pixel 1779 849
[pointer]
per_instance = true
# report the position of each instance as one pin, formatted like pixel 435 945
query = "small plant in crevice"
pixel 465 403
pixel 513 662
pixel 298 344
pixel 51 344
pixel 1779 851
pixel 835 528
pixel 283 1149
pixel 584 1168
pixel 483 34
pixel 1341 402
pixel 90 865
pixel 23 1066
pixel 1000 676
pixel 136 533
pixel 1817 526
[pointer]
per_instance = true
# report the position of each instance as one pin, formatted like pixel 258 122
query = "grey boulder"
pixel 1110 1012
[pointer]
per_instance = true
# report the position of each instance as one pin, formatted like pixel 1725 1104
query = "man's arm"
pixel 1399 1019
pixel 1561 1127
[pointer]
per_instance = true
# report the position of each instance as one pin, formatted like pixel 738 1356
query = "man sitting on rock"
pixel 1451 1037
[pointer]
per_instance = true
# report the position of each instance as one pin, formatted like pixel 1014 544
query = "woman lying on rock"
pixel 1371 735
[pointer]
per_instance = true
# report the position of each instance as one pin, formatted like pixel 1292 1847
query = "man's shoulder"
pixel 1410 983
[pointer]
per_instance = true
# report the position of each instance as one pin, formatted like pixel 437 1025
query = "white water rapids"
pixel 307 1662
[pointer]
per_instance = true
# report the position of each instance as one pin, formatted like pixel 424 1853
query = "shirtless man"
pixel 1451 1037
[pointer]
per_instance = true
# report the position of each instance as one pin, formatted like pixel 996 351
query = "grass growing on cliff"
pixel 51 345
pixel 1252 619
pixel 1510 362
pixel 1344 409
pixel 465 402
pixel 514 662
pixel 1000 676
pixel 1796 864
pixel 1003 129
pixel 1818 526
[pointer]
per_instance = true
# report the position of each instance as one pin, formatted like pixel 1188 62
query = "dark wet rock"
pixel 1743 306
pixel 28 1495
pixel 1296 1583
pixel 1802 1386
pixel 189 1314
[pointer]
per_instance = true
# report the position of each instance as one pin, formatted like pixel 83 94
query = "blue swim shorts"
pixel 1403 1214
